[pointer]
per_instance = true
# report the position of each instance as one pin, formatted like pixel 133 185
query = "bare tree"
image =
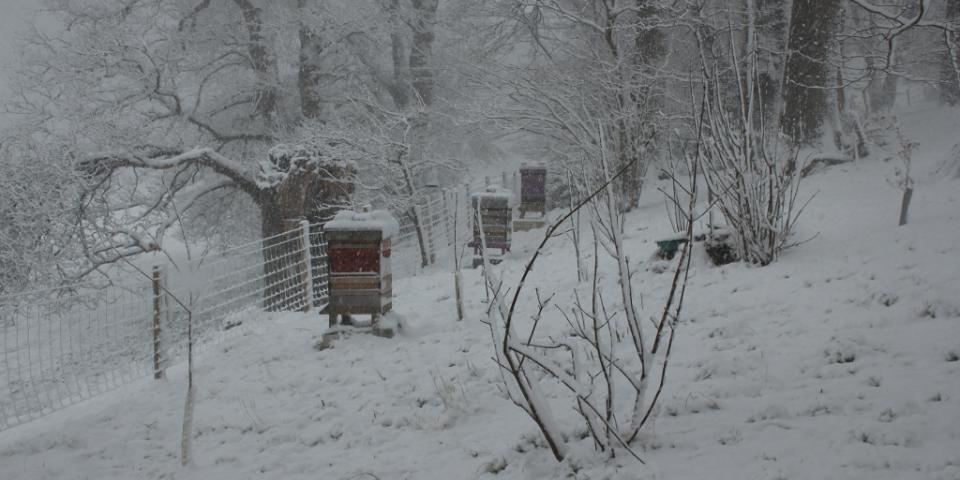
pixel 892 23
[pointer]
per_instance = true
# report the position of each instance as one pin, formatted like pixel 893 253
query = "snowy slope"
pixel 841 360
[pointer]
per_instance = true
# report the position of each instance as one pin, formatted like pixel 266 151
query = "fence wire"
pixel 441 216
pixel 61 346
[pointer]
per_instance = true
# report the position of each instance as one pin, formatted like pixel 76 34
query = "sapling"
pixel 903 178
pixel 457 281
pixel 187 430
pixel 575 229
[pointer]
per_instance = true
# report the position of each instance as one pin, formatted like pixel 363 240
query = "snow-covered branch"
pixel 160 159
pixel 899 23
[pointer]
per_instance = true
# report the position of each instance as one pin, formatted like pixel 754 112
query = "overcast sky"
pixel 14 16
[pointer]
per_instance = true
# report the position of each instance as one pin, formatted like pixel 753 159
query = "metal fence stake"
pixel 157 313
pixel 308 265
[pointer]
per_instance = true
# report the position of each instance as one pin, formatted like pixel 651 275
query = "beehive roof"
pixel 377 220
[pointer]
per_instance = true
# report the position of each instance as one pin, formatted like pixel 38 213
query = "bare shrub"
pixel 754 177
pixel 608 349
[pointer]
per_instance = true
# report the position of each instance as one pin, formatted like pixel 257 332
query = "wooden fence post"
pixel 157 313
pixel 445 216
pixel 456 259
pixel 307 266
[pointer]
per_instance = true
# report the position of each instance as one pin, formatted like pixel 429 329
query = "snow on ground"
pixel 841 360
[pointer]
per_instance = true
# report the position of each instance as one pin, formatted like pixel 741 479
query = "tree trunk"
pixel 836 101
pixel 311 191
pixel 805 82
pixel 635 101
pixel 425 257
pixel 771 17
pixel 882 91
pixel 397 87
pixel 421 52
pixel 950 64
pixel 421 73
pixel 310 68
pixel 262 60
pixel 630 184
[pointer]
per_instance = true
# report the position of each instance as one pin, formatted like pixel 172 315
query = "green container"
pixel 668 248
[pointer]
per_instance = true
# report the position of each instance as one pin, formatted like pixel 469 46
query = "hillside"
pixel 840 360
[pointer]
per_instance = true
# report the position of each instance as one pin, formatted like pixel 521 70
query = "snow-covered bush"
pixel 754 177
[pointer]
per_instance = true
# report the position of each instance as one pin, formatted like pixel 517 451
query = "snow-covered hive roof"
pixel 533 166
pixel 377 220
pixel 495 191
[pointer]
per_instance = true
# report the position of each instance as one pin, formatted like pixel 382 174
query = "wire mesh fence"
pixel 435 218
pixel 64 345
pixel 59 348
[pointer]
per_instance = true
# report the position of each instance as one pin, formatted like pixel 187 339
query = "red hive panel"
pixel 354 259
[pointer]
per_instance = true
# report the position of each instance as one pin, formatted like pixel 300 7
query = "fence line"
pixel 64 345
pixel 61 346
pixel 437 213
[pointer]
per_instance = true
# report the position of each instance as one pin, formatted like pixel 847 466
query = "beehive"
pixel 358 249
pixel 492 210
pixel 533 189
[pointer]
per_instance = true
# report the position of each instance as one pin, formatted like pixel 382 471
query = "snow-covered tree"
pixel 205 115
pixel 38 193
pixel 132 88
pixel 590 61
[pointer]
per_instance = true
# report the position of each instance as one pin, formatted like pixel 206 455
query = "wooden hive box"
pixel 533 189
pixel 496 217
pixel 360 276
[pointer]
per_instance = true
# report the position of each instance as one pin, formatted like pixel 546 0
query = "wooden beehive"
pixel 360 277
pixel 496 218
pixel 533 189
